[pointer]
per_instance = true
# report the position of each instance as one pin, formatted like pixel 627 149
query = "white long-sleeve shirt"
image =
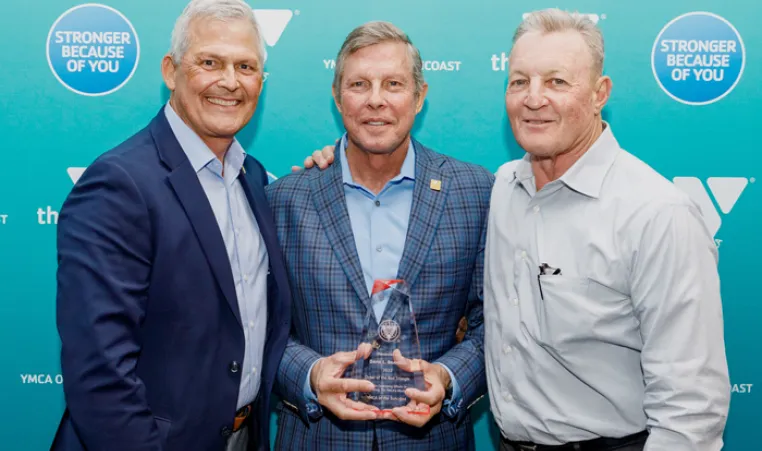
pixel 630 335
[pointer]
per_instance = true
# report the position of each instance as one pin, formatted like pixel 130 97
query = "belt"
pixel 596 444
pixel 241 416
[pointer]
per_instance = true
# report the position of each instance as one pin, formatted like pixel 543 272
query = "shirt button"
pixel 378 249
pixel 515 301
pixel 524 255
pixel 245 278
pixel 536 208
pixel 508 397
pixel 378 203
pixel 507 349
pixel 253 371
pixel 251 324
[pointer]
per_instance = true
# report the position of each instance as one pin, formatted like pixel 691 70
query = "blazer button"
pixel 226 432
pixel 234 367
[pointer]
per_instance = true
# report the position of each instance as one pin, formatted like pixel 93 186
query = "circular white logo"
pixel 389 330
pixel 93 50
pixel 698 58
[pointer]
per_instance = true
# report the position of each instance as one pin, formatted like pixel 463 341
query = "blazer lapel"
pixel 186 186
pixel 328 196
pixel 428 206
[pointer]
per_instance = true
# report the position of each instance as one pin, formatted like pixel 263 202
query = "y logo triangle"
pixel 725 190
pixel 75 173
pixel 272 23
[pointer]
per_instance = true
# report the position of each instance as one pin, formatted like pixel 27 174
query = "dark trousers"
pixel 635 443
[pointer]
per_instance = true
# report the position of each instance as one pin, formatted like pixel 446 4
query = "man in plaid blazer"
pixel 388 209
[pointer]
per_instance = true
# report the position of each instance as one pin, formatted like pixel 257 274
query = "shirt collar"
pixel 587 174
pixel 196 150
pixel 407 171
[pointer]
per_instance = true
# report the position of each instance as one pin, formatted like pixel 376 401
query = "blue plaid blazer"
pixel 443 262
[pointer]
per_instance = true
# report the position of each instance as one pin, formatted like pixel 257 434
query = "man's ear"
pixel 601 93
pixel 421 98
pixel 335 99
pixel 168 72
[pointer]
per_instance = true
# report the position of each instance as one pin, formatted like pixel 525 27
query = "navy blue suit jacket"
pixel 147 309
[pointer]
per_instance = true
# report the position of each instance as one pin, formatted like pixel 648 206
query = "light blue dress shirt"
pixel 379 225
pixel 629 335
pixel 243 242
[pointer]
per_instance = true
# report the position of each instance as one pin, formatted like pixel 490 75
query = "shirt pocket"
pixel 573 312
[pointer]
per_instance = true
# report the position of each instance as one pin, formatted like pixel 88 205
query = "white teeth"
pixel 376 123
pixel 221 102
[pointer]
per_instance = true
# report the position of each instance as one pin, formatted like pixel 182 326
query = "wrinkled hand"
pixel 332 389
pixel 323 158
pixel 436 379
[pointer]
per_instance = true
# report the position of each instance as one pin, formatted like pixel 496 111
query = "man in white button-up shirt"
pixel 602 299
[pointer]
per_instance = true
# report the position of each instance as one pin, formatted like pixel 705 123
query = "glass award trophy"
pixel 393 363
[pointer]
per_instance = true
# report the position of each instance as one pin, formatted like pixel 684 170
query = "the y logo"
pixel 75 173
pixel 272 23
pixel 725 190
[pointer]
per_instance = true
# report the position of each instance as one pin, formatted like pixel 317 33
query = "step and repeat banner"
pixel 78 78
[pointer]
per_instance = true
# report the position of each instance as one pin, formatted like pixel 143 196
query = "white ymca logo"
pixel 725 190
pixel 272 23
pixel 75 173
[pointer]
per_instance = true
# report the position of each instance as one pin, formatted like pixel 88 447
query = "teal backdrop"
pixel 685 96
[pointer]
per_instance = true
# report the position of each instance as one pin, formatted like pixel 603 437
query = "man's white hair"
pixel 214 9
pixel 555 20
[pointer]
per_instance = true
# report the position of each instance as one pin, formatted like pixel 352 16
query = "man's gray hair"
pixel 215 9
pixel 555 20
pixel 373 33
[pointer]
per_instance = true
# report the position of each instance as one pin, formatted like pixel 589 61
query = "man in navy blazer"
pixel 390 208
pixel 173 299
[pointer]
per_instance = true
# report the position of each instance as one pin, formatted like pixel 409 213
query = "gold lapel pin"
pixel 436 185
pixel 243 169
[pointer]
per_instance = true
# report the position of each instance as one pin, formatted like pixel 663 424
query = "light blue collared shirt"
pixel 629 335
pixel 379 225
pixel 243 242
pixel 379 221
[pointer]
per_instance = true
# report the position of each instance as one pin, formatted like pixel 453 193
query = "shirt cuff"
pixel 451 406
pixel 314 410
